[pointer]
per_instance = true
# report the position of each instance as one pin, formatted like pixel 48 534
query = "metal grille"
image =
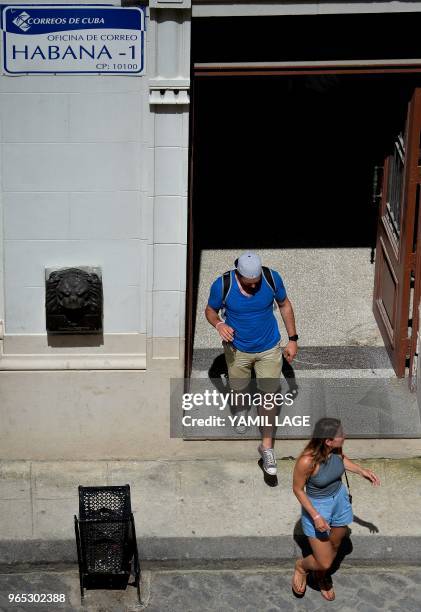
pixel 395 185
pixel 106 546
pixel 104 502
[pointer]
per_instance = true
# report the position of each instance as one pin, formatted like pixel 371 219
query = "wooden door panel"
pixel 390 290
pixel 395 257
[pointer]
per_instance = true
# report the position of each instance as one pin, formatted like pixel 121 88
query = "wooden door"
pixel 396 240
pixel 190 302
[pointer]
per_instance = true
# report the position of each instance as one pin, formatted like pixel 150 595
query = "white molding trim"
pixel 209 8
pixel 32 352
pixel 170 4
pixel 2 281
pixel 308 63
pixel 169 95
pixel 169 81
pixel 73 362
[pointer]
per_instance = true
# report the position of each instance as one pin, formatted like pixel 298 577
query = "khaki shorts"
pixel 267 366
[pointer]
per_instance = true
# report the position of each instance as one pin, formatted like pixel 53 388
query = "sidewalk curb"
pixel 370 548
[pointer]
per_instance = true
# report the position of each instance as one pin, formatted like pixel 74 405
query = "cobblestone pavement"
pixel 364 589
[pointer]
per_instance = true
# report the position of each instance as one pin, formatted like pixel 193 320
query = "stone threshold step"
pixel 311 357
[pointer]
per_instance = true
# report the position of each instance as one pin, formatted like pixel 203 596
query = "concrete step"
pixel 353 383
pixel 315 358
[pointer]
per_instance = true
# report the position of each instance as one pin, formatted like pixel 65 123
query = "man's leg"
pixel 268 373
pixel 268 367
pixel 239 366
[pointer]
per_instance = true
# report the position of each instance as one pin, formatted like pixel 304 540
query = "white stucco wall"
pixel 74 192
pixel 93 173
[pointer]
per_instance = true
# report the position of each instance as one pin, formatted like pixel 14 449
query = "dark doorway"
pixel 287 164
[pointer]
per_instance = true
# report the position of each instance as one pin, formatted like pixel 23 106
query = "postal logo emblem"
pixel 21 21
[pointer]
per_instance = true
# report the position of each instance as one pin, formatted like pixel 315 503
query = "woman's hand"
pixel 321 524
pixel 371 476
pixel 225 331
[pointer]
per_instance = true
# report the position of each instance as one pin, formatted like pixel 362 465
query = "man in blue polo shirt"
pixel 250 333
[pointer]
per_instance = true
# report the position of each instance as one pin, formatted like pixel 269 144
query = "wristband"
pixel 316 517
pixel 220 323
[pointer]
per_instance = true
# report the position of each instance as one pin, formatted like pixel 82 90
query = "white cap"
pixel 249 265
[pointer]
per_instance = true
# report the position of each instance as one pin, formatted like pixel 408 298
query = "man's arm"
pixel 225 331
pixel 287 314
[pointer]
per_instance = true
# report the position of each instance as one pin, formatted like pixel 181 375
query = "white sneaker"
pixel 269 461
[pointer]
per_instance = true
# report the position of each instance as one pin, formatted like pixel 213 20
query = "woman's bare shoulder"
pixel 305 461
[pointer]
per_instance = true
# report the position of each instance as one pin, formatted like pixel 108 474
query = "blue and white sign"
pixel 73 39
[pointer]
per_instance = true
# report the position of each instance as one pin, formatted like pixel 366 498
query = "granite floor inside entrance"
pixel 342 368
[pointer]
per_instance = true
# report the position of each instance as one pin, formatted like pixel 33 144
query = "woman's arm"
pixel 302 471
pixel 351 466
pixel 357 469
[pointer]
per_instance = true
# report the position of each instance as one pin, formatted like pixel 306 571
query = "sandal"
pixel 304 586
pixel 326 587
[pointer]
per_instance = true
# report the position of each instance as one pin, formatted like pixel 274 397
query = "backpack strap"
pixel 267 273
pixel 226 285
pixel 227 282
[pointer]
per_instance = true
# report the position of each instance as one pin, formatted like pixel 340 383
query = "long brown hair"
pixel 326 428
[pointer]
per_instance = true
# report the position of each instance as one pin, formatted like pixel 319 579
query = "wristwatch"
pixel 293 338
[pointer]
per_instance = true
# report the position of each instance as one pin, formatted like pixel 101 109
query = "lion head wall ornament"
pixel 74 301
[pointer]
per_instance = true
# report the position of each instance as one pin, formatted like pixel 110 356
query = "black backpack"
pixel 226 282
